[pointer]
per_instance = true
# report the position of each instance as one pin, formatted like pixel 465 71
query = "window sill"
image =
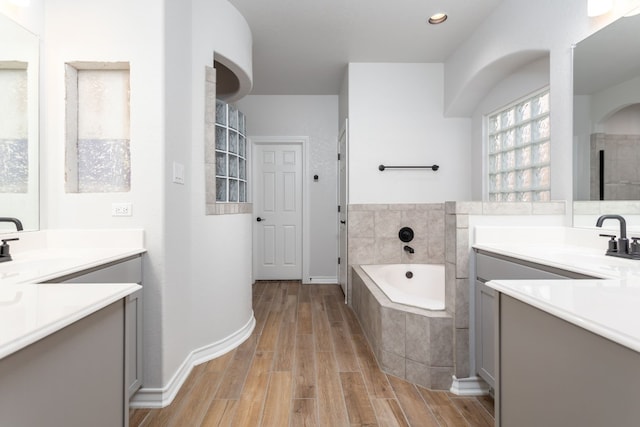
pixel 228 208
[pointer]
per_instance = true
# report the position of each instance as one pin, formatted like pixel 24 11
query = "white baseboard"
pixel 322 280
pixel 470 386
pixel 161 397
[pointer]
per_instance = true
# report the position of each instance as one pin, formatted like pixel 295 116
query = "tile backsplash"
pixel 373 233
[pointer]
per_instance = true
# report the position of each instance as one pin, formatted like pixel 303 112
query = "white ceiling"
pixel 302 47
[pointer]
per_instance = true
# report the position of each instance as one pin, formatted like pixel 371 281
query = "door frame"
pixel 303 142
pixel 343 188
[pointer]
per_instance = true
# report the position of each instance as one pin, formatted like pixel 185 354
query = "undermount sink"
pixel 35 267
pixel 583 259
pixel 40 264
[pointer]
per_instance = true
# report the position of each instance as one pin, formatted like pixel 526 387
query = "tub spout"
pixel 408 248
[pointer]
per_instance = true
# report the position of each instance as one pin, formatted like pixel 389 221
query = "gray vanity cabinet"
pixel 128 270
pixel 491 266
pixel 555 373
pixel 69 378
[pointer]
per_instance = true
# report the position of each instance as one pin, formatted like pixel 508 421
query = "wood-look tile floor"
pixel 307 363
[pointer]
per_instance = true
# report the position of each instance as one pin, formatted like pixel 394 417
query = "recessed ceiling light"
pixel 598 7
pixel 437 18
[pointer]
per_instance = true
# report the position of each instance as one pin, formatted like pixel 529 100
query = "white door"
pixel 278 211
pixel 342 215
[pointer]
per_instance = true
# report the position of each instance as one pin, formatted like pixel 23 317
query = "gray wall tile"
pixel 418 373
pixel 441 331
pixel 417 341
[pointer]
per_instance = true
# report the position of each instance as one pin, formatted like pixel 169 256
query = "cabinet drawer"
pixel 492 268
pixel 125 271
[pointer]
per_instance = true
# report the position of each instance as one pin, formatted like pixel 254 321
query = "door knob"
pixel 342 221
pixel 259 219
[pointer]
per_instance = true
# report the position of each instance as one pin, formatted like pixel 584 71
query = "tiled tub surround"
pixel 373 239
pixel 373 233
pixel 409 342
pixel 442 235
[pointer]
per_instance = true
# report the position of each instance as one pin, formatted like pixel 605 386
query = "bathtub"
pixel 417 285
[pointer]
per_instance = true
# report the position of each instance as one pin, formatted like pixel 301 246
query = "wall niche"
pixel 98 156
pixel 14 127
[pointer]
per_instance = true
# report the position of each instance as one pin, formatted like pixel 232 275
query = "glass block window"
pixel 518 147
pixel 231 154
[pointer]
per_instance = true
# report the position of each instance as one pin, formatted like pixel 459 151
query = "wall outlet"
pixel 121 209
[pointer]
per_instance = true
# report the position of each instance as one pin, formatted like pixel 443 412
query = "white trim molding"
pixel 470 386
pixel 322 280
pixel 161 397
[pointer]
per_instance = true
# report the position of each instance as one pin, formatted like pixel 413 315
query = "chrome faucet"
pixel 16 221
pixel 620 248
pixel 408 248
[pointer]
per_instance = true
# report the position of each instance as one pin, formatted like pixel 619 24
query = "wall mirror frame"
pixel 606 123
pixel 19 119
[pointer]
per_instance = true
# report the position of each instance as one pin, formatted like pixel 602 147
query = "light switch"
pixel 178 173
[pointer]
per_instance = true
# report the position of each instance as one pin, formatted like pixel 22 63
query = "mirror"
pixel 19 192
pixel 606 79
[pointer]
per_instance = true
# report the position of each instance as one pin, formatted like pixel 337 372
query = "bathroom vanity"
pixel 70 345
pixel 560 322
pixel 127 270
pixel 568 354
pixel 492 266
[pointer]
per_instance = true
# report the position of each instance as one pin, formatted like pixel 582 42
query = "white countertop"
pixel 609 306
pixel 29 309
pixel 579 259
pixel 41 265
pixel 30 312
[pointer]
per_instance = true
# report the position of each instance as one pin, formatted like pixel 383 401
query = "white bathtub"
pixel 425 289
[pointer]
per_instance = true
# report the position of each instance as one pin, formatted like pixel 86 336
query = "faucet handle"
pixel 5 254
pixel 613 244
